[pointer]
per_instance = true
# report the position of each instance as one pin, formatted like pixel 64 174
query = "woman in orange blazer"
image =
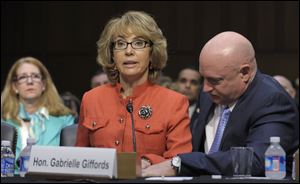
pixel 132 51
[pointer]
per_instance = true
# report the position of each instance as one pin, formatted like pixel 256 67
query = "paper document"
pixel 249 177
pixel 169 178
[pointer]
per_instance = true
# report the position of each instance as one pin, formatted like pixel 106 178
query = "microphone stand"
pixel 129 108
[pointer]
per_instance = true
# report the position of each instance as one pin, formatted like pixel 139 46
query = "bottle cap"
pixel 30 140
pixel 5 143
pixel 275 139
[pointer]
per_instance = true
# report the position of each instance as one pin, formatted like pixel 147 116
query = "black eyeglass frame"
pixel 150 43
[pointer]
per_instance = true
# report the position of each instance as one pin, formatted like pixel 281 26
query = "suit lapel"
pixel 199 132
pixel 235 113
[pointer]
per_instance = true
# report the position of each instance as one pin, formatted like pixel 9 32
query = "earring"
pixel 150 67
pixel 17 92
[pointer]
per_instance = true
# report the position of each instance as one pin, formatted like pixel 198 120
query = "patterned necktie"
pixel 219 133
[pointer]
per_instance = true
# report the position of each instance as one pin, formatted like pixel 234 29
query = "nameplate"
pixel 73 161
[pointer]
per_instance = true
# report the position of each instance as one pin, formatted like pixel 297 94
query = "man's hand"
pixel 161 169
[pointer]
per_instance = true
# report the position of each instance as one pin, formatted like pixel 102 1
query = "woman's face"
pixel 132 60
pixel 29 82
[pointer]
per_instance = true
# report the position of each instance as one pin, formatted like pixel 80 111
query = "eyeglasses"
pixel 137 44
pixel 35 77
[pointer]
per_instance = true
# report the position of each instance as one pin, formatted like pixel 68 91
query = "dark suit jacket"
pixel 264 110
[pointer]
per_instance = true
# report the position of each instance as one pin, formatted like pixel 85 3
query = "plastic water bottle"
pixel 24 156
pixel 275 160
pixel 7 159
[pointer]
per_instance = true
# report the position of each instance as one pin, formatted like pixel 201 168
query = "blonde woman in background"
pixel 31 103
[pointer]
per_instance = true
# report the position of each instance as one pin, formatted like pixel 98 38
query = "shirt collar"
pixel 44 112
pixel 137 90
pixel 26 116
pixel 232 105
pixel 222 107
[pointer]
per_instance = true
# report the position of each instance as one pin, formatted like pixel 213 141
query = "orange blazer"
pixel 104 121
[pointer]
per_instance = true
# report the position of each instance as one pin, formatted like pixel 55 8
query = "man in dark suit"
pixel 259 108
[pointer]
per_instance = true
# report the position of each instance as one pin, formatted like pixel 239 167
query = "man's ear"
pixel 245 72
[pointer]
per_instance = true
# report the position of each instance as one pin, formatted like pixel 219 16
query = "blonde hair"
pixel 49 99
pixel 140 24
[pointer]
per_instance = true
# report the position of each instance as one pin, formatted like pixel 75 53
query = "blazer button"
pixel 148 126
pixel 121 120
pixel 117 143
pixel 94 123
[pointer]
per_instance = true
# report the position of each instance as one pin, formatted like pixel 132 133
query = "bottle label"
pixel 7 166
pixel 275 164
pixel 24 160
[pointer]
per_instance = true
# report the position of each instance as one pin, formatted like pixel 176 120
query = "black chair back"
pixel 9 133
pixel 68 135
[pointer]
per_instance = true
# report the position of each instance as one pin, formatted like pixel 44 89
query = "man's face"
pixel 99 80
pixel 188 83
pixel 222 82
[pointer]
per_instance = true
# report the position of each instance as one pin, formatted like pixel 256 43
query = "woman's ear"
pixel 112 57
pixel 15 88
pixel 44 86
pixel 150 65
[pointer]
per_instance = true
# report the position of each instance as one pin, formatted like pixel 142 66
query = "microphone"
pixel 129 108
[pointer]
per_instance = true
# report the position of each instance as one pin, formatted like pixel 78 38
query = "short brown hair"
pixel 141 24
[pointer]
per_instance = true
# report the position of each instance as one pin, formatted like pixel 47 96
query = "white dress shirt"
pixel 211 127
